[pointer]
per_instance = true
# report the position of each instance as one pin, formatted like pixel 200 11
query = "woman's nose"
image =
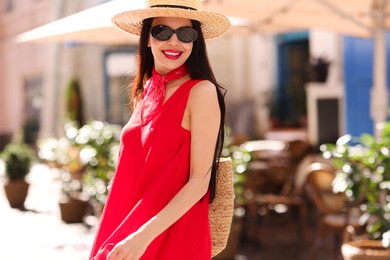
pixel 174 40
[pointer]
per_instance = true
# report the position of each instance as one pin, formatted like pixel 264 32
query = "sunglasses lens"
pixel 162 33
pixel 187 34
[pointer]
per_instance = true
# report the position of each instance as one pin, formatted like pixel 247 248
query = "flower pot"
pixel 73 211
pixel 16 192
pixel 365 250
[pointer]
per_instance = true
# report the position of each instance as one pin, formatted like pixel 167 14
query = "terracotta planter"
pixel 365 250
pixel 16 192
pixel 73 211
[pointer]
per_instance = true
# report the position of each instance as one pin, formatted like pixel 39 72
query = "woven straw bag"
pixel 221 210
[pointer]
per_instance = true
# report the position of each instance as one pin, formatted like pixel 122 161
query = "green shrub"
pixel 18 158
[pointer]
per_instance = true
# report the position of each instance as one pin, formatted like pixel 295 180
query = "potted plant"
pixel 86 157
pixel 61 155
pixel 75 200
pixel 317 69
pixel 98 145
pixel 18 159
pixel 74 102
pixel 363 174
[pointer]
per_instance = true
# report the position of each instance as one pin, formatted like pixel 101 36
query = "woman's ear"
pixel 149 45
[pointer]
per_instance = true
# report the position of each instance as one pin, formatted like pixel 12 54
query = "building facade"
pixel 35 75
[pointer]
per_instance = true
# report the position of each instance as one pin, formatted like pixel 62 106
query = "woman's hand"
pixel 130 248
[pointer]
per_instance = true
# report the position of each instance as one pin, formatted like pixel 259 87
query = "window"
pixel 119 68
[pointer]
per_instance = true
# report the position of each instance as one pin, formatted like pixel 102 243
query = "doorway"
pixel 289 109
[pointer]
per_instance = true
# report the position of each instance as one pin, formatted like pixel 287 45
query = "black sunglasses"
pixel 164 33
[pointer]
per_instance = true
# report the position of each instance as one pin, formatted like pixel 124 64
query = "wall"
pixel 18 62
pixel 56 63
pixel 329 45
pixel 243 63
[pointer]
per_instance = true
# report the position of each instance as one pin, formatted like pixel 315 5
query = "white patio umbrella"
pixel 364 18
pixel 92 25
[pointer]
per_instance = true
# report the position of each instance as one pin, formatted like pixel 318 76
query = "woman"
pixel 158 204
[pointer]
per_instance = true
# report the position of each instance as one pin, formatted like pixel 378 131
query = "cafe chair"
pixel 335 213
pixel 286 196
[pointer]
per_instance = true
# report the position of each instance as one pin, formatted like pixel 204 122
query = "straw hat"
pixel 213 24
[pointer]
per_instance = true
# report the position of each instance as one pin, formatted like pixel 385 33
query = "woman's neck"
pixel 165 70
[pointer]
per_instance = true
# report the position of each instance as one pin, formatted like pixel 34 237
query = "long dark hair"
pixel 198 68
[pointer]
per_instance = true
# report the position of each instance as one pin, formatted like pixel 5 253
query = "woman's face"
pixel 172 53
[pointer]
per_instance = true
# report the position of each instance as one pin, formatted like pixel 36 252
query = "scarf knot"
pixel 154 92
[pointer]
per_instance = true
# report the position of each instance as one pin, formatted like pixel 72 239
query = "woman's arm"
pixel 202 117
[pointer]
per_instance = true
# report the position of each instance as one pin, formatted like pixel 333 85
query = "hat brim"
pixel 213 24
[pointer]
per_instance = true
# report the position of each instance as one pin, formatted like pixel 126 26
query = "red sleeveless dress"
pixel 154 163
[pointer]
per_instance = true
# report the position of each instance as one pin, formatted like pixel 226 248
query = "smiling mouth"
pixel 173 55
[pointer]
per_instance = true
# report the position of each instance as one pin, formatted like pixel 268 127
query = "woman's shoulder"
pixel 203 92
pixel 203 87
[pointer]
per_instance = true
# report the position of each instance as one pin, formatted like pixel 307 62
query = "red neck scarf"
pixel 154 92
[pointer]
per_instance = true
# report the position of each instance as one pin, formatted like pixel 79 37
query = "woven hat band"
pixel 184 4
pixel 173 6
pixel 212 24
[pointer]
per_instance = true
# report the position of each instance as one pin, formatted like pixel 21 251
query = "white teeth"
pixel 172 53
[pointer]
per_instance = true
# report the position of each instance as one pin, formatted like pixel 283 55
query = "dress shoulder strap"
pixel 186 89
pixel 179 103
pixel 187 86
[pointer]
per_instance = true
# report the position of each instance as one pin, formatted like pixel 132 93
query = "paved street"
pixel 38 232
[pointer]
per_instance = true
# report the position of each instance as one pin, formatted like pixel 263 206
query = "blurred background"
pixel 298 74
